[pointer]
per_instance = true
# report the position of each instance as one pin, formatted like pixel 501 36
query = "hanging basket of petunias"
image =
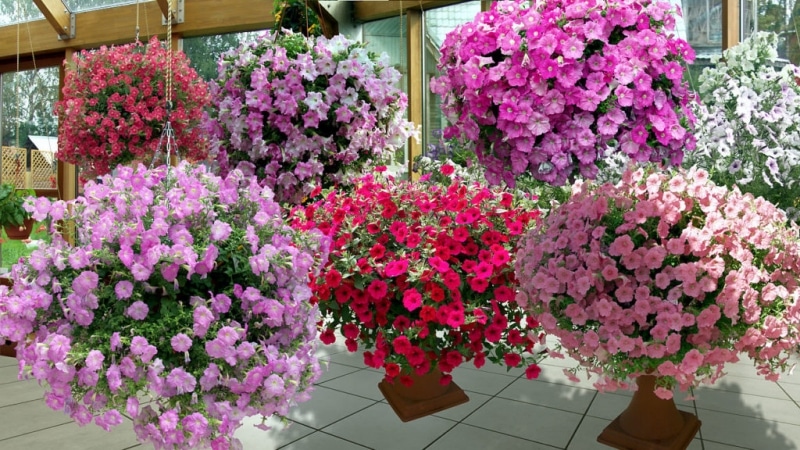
pixel 114 107
pixel 305 112
pixel 546 87
pixel 421 274
pixel 183 288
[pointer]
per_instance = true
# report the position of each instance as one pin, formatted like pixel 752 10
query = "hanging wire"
pixel 137 21
pixel 167 138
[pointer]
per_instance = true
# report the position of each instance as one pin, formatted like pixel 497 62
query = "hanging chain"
pixel 137 21
pixel 169 58
pixel 167 138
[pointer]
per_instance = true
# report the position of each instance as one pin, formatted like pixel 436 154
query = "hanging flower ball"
pixel 304 112
pixel 547 86
pixel 181 287
pixel 114 107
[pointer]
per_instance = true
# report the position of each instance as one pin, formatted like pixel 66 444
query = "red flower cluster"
pixel 114 106
pixel 421 273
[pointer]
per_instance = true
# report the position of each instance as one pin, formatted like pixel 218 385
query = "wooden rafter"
pixel 364 11
pixel 57 15
pixel 163 5
pixel 117 25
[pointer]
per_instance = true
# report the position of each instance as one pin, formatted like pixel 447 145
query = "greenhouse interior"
pixel 399 225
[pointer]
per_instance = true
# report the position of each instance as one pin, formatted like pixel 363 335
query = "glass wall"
pixel 204 51
pixel 389 36
pixel 437 23
pixel 778 16
pixel 28 129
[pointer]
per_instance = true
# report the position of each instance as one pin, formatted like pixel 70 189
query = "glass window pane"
pixel 27 156
pixel 16 11
pixel 86 5
pixel 778 16
pixel 389 36
pixel 204 51
pixel 438 22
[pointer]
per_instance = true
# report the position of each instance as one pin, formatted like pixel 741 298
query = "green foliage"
pixel 11 201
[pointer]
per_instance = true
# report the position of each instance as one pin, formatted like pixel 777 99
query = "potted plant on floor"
pixel 182 288
pixel 421 278
pixel 663 279
pixel 16 221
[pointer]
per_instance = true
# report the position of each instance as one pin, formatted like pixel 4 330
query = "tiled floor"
pixel 505 411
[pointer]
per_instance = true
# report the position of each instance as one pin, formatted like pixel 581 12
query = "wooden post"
pixel 67 173
pixel 730 23
pixel 415 83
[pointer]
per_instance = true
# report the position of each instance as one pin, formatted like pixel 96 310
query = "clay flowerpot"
pixel 22 232
pixel 650 423
pixel 425 397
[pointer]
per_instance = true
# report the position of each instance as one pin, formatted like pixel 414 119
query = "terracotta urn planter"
pixel 7 348
pixel 22 232
pixel 650 423
pixel 425 397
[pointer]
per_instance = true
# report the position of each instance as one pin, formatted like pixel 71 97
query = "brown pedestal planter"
pixel 7 348
pixel 650 423
pixel 20 233
pixel 425 397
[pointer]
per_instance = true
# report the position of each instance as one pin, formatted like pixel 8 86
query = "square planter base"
pixel 614 436
pixel 408 409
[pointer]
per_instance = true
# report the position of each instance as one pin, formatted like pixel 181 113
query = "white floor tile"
pixel 748 432
pixel 8 374
pixel 354 359
pixel 20 392
pixel 363 383
pixel 526 421
pixel 549 394
pixel 469 437
pixel 6 361
pixel 766 408
pixel 72 437
pixel 458 413
pixel 487 383
pixel 320 440
pixel 585 437
pixel 332 370
pixel 378 427
pixel 327 406
pixel 744 385
pixel 281 434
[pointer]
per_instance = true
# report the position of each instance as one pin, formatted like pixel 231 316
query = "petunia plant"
pixel 183 303
pixel 302 113
pixel 421 275
pixel 114 106
pixel 665 274
pixel 748 130
pixel 547 87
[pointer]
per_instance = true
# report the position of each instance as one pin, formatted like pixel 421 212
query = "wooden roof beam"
pixel 176 12
pixel 117 25
pixel 59 17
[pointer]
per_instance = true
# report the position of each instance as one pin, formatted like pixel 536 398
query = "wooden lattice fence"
pixel 43 168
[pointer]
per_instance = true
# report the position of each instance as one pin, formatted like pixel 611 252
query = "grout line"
pixel 455 424
pixel 38 430
pixel 788 395
pixel 375 402
pixel 515 436
pixel 583 417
